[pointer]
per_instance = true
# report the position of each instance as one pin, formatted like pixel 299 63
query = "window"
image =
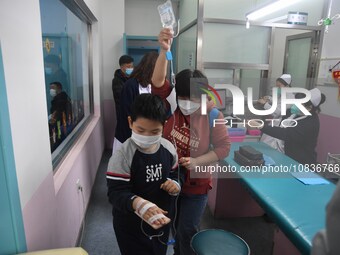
pixel 65 38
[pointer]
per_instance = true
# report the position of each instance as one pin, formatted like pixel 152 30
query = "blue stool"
pixel 218 242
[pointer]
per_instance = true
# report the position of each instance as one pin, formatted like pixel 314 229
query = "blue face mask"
pixel 295 110
pixel 128 71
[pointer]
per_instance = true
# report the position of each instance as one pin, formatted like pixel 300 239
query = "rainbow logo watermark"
pixel 212 93
pixel 199 88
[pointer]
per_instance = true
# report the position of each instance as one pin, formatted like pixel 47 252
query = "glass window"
pixel 187 12
pixel 186 56
pixel 235 43
pixel 219 76
pixel 251 79
pixel 66 58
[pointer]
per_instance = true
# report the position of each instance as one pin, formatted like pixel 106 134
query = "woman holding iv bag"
pixel 197 143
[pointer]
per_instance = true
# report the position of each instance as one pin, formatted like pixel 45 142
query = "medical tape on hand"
pixel 139 204
pixel 145 208
pixel 152 219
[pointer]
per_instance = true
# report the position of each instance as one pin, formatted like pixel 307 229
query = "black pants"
pixel 133 241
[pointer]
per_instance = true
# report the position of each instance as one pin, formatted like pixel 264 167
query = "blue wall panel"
pixel 12 236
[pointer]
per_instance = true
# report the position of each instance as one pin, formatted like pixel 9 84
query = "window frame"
pixel 80 10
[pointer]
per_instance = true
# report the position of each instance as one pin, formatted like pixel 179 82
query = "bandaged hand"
pixel 149 212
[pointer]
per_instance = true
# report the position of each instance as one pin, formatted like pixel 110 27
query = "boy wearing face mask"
pixel 197 142
pixel 120 77
pixel 142 176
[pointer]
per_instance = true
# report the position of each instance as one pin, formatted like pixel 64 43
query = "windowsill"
pixel 63 170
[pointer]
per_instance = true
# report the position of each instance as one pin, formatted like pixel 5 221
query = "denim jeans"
pixel 189 213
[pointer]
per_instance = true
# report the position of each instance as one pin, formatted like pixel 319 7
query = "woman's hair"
pixel 150 107
pixel 143 71
pixel 315 109
pixel 188 87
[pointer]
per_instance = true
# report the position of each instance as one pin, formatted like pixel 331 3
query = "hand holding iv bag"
pixel 168 20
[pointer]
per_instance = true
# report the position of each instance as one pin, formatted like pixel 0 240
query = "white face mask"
pixel 188 107
pixel 53 92
pixel 145 141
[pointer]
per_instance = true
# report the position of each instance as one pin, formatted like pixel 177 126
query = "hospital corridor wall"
pixel 52 208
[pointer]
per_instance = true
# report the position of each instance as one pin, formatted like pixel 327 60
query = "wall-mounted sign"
pixel 297 18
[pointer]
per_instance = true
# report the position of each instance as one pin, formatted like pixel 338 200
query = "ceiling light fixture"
pixel 270 8
pixel 284 17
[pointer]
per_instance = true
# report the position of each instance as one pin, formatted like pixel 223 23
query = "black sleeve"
pixel 128 95
pixel 117 87
pixel 113 89
pixel 301 133
pixel 119 193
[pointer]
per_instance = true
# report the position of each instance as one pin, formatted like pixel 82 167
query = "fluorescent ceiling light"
pixel 273 7
pixel 277 19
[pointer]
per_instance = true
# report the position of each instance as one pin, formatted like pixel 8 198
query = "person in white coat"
pixel 284 80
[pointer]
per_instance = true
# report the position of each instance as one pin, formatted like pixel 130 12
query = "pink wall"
pixel 329 137
pixel 52 219
pixel 109 122
pixel 39 215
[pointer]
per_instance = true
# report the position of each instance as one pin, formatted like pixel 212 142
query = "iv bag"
pixel 167 15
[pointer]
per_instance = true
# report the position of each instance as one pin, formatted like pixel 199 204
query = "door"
pixel 12 237
pixel 300 59
pixel 138 53
pixel 137 46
